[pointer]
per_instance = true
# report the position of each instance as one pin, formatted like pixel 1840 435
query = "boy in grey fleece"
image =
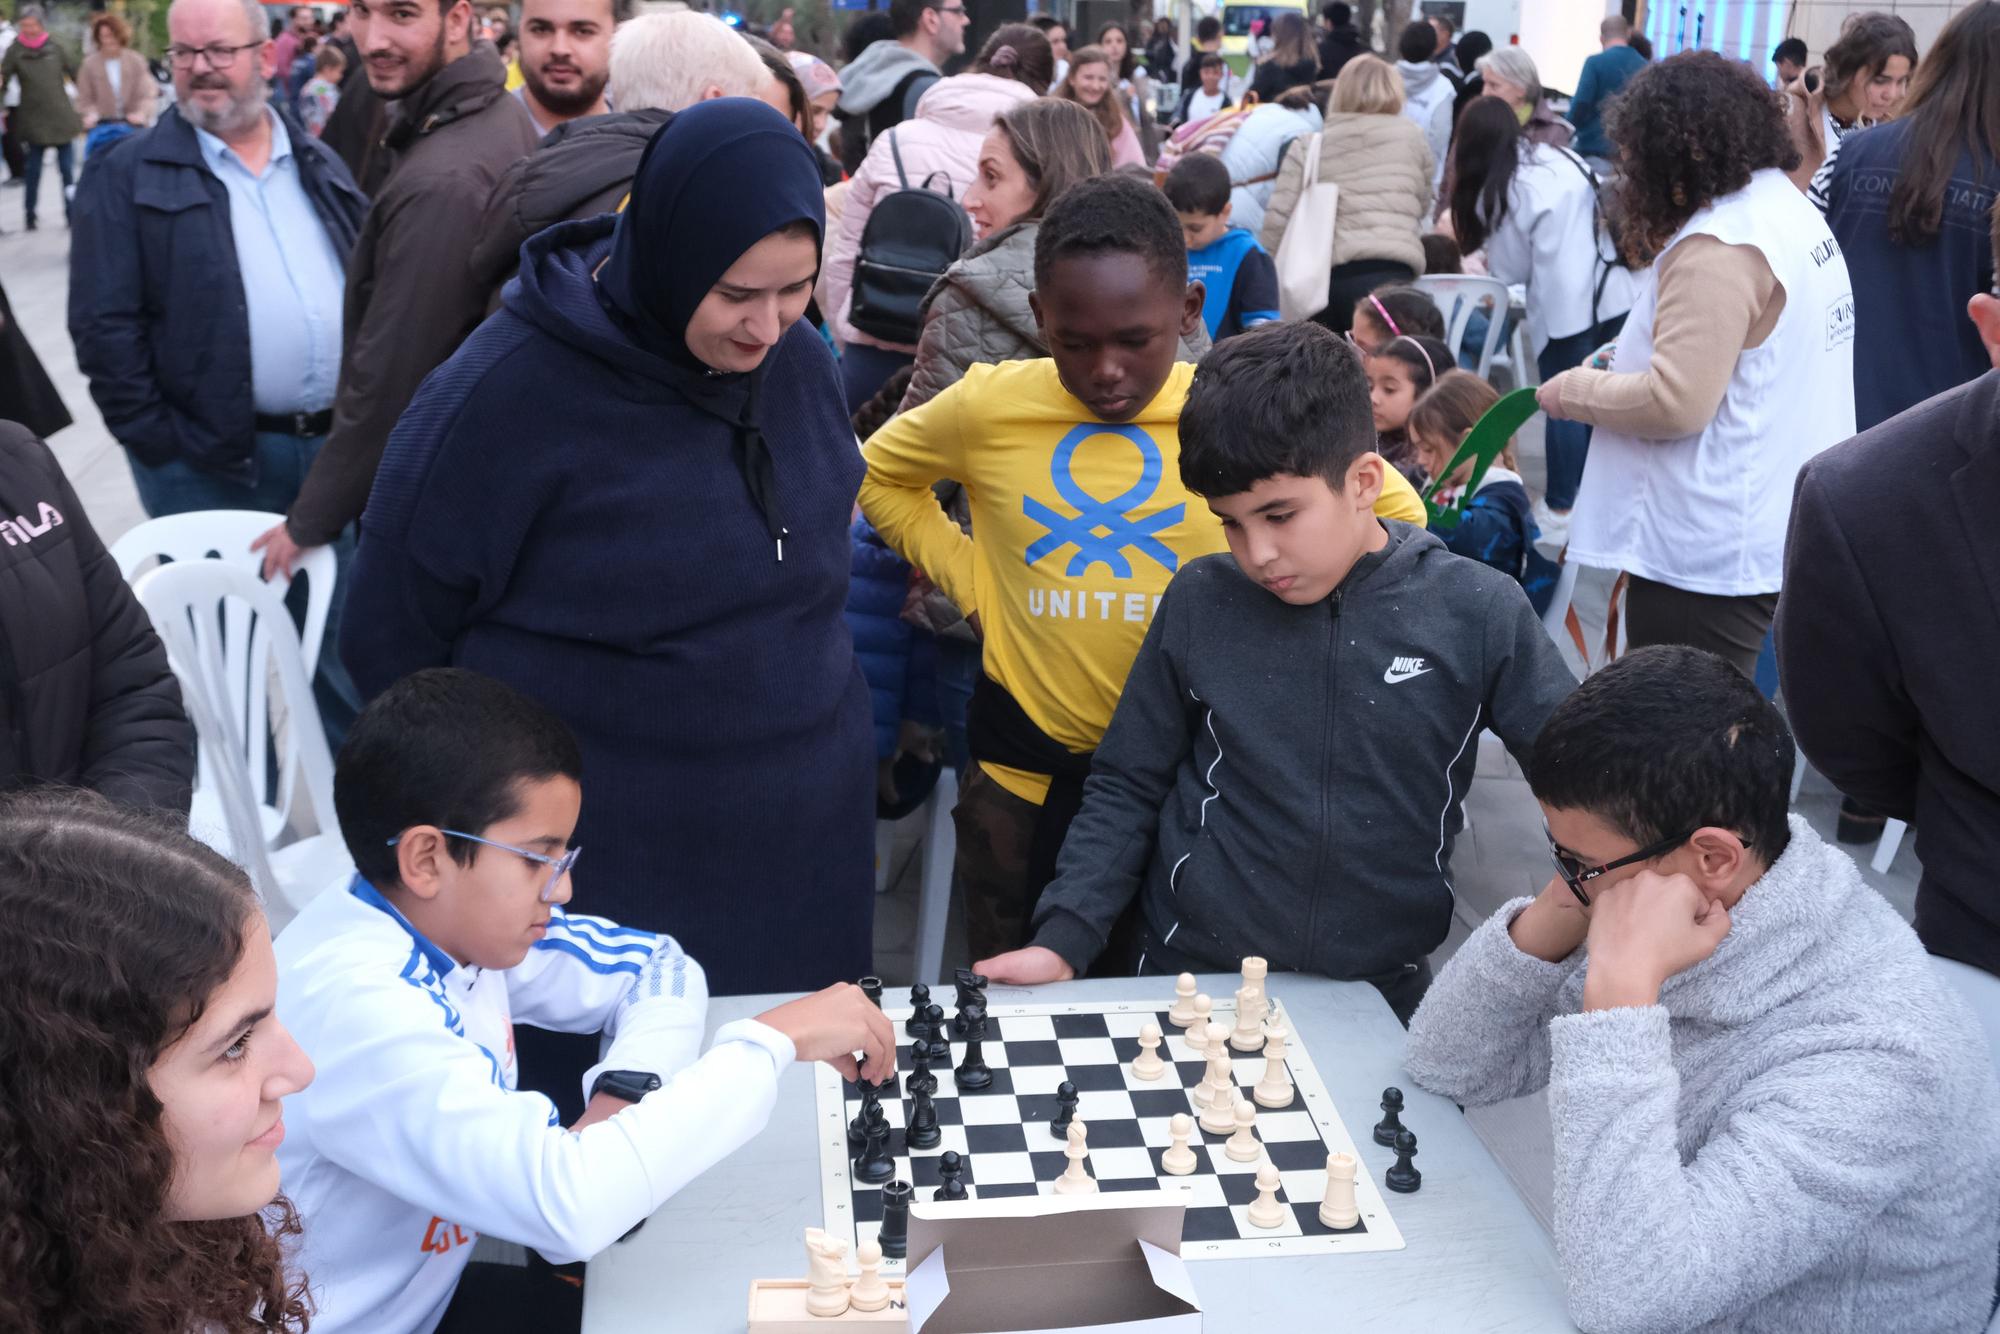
pixel 1770 1114
pixel 1283 773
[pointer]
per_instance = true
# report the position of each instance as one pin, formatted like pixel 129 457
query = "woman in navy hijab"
pixel 628 495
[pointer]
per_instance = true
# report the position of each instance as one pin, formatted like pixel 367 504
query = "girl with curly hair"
pixel 141 1069
pixel 1735 366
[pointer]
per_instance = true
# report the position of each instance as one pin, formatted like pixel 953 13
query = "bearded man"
pixel 565 59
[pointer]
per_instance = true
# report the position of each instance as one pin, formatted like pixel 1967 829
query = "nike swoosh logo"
pixel 1392 676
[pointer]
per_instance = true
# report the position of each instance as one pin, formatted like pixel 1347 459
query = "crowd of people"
pixel 759 433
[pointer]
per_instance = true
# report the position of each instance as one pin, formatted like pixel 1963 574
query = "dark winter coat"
pixel 27 395
pixel 411 296
pixel 45 117
pixel 1497 528
pixel 86 697
pixel 552 511
pixel 583 168
pixel 156 304
pixel 1337 46
pixel 1888 631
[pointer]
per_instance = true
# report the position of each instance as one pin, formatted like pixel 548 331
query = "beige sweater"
pixel 1715 301
pixel 1382 165
pixel 134 100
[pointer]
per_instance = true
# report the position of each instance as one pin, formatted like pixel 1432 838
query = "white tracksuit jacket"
pixel 412 1139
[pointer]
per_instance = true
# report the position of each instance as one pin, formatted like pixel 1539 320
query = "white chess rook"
pixel 1337 1209
pixel 1075 1180
pixel 1265 1211
pixel 1148 1065
pixel 1255 970
pixel 1275 1090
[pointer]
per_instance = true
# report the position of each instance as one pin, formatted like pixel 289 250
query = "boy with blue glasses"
pixel 457 797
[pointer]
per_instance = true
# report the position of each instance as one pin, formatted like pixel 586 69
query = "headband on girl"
pixel 1387 318
pixel 1405 338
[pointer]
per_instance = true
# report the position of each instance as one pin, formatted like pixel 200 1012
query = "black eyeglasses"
pixel 1576 874
pixel 219 57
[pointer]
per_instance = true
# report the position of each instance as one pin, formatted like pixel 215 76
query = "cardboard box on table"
pixel 1075 1264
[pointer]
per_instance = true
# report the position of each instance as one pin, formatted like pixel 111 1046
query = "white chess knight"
pixel 1274 1090
pixel 1179 1160
pixel 870 1292
pixel 1148 1065
pixel 1076 1180
pixel 1265 1211
pixel 1182 1014
pixel 1337 1209
pixel 1243 1146
pixel 826 1273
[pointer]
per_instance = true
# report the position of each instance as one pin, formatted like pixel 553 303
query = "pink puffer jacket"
pixel 944 137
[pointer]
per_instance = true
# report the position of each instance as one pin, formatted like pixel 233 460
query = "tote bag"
pixel 1305 252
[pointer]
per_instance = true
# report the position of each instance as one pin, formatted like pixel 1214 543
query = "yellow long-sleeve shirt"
pixel 1079 525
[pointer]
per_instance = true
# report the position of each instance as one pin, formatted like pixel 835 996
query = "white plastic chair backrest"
pixel 226 535
pixel 224 776
pixel 1457 296
pixel 227 632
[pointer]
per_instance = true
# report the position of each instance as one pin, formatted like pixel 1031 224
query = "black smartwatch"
pixel 631 1085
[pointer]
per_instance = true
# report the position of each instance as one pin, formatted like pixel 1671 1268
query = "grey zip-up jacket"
pixel 1801 1137
pixel 1285 781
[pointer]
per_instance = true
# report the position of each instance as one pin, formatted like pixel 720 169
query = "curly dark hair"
pixel 118 928
pixel 1688 131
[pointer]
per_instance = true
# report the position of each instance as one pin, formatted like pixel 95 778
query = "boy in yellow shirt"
pixel 1071 465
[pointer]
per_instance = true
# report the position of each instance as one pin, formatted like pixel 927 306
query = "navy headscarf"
pixel 717 179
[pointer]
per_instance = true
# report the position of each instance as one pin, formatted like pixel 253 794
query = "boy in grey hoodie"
pixel 1283 773
pixel 1770 1114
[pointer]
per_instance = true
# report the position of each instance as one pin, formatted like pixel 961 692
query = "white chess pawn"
pixel 826 1274
pixel 1337 1209
pixel 1184 992
pixel 1197 1033
pixel 1179 1160
pixel 1243 1146
pixel 1219 1117
pixel 1148 1064
pixel 1274 1090
pixel 1075 1180
pixel 1265 1211
pixel 869 1292
pixel 1249 1034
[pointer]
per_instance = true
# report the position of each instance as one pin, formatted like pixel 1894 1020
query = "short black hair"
pixel 1337 13
pixel 1199 183
pixel 1207 29
pixel 1667 740
pixel 1211 60
pixel 444 747
pixel 1112 215
pixel 1418 43
pixel 907 14
pixel 1792 49
pixel 1048 22
pixel 1277 398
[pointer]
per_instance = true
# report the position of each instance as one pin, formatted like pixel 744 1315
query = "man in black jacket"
pixel 1887 638
pixel 1339 40
pixel 86 697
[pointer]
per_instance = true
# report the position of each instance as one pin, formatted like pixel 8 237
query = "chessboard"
pixel 1003 1133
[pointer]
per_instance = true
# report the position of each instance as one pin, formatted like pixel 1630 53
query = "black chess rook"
pixel 894 1239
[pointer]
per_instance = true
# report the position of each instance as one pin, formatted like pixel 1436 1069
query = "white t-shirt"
pixel 1203 105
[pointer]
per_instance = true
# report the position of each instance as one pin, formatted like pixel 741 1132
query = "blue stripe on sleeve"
pixel 634 949
pixel 605 929
pixel 590 961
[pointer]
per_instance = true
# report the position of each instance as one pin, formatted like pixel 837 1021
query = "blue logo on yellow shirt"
pixel 1119 532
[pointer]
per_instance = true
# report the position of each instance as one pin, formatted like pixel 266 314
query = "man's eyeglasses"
pixel 1576 874
pixel 956 10
pixel 558 866
pixel 219 57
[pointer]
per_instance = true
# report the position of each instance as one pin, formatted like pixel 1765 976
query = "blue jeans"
pixel 65 163
pixel 1568 442
pixel 177 487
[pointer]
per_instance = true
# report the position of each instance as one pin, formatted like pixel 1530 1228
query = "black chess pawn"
pixel 920 1000
pixel 1404 1178
pixel 857 1129
pixel 894 1239
pixel 950 1169
pixel 876 1163
pixel 920 1067
pixel 972 1073
pixel 1390 1125
pixel 1065 1109
pixel 922 1132
pixel 871 987
pixel 940 1044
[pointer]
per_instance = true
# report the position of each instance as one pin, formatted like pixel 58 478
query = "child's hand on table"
pixel 1025 968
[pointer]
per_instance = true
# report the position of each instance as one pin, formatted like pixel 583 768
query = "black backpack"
pixel 913 235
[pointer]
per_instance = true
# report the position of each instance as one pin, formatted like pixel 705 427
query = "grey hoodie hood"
pixel 875 74
pixel 1418 77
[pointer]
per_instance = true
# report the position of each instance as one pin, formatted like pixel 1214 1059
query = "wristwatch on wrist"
pixel 631 1085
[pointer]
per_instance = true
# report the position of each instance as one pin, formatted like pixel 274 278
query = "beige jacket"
pixel 1382 165
pixel 136 96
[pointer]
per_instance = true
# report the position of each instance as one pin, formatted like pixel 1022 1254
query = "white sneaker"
pixel 1554 525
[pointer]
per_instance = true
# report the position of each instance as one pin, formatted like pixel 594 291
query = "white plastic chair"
pixel 227 633
pixel 1892 839
pixel 1458 295
pixel 1556 619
